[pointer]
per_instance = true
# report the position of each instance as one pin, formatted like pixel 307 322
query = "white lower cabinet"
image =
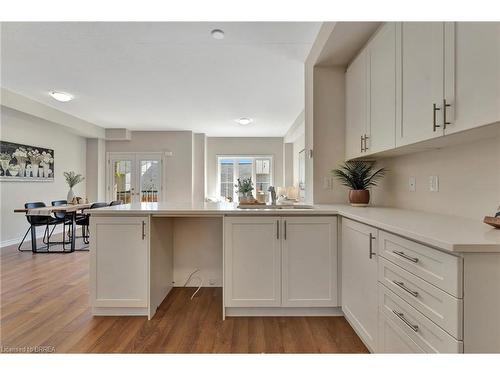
pixel 359 280
pixel 309 261
pixel 252 261
pixel 280 261
pixel 119 255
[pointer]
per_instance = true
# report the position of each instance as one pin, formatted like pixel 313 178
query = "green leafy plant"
pixel 358 175
pixel 244 186
pixel 72 178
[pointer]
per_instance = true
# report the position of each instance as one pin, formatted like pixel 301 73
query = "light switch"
pixel 434 183
pixel 412 183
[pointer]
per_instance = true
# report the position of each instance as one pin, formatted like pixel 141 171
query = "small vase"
pixel 34 170
pixel 22 165
pixel 46 170
pixel 359 198
pixel 70 196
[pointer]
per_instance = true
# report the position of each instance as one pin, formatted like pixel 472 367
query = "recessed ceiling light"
pixel 217 34
pixel 61 96
pixel 244 121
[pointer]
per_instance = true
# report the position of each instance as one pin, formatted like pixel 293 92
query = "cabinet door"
pixel 309 261
pixel 356 105
pixel 382 88
pixel 359 280
pixel 252 261
pixel 120 261
pixel 422 48
pixel 472 74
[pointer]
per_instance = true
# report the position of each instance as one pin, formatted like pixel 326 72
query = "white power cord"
pixel 196 277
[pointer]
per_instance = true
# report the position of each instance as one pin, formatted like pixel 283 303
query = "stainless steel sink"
pixel 276 206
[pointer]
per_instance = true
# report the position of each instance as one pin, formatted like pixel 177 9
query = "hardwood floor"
pixel 45 303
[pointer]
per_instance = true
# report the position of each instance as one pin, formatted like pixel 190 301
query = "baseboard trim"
pixel 120 311
pixel 284 311
pixel 16 241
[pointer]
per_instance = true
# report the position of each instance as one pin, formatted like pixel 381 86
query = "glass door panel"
pixel 150 181
pixel 121 185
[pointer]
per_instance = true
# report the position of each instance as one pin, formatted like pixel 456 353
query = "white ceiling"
pixel 164 76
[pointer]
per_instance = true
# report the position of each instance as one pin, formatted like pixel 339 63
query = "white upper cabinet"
pixel 415 81
pixel 422 59
pixel 382 86
pixel 371 98
pixel 472 74
pixel 356 106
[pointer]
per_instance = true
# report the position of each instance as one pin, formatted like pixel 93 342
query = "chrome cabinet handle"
pixel 361 145
pixel 143 229
pixel 370 250
pixel 284 234
pixel 365 139
pixel 401 316
pixel 445 121
pixel 277 229
pixel 403 255
pixel 435 108
pixel 405 288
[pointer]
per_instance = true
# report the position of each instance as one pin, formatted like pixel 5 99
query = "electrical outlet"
pixel 434 183
pixel 327 183
pixel 412 183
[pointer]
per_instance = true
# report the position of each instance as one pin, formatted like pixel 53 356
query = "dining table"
pixel 70 209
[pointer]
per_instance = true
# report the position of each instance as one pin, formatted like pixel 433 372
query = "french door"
pixel 135 177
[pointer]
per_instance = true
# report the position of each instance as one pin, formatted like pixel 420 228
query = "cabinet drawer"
pixel 437 305
pixel 438 268
pixel 426 334
pixel 392 339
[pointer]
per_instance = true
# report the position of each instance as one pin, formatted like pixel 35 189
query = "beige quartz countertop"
pixel 451 233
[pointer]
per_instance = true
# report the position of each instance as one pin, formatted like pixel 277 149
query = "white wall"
pixel 198 244
pixel 178 167
pixel 199 166
pixel 69 155
pixel 95 180
pixel 469 180
pixel 295 136
pixel 242 146
pixel 328 132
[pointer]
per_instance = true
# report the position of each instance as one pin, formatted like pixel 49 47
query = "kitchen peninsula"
pixel 415 280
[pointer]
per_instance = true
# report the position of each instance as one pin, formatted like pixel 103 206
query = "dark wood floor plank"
pixel 45 301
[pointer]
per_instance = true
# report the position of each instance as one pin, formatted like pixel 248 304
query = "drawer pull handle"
pixel 403 255
pixel 405 288
pixel 143 229
pixel 401 316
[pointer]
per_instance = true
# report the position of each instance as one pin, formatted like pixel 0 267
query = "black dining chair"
pixel 36 221
pixel 84 221
pixel 116 203
pixel 62 218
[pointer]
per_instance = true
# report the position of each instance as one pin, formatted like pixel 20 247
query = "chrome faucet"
pixel 273 195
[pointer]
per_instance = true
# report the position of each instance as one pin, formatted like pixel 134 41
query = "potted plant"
pixel 359 176
pixel 245 188
pixel 72 179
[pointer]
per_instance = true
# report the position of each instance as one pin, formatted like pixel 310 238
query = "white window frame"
pixel 236 170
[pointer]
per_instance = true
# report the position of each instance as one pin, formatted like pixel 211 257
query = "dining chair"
pixel 36 221
pixel 62 218
pixel 84 221
pixel 116 203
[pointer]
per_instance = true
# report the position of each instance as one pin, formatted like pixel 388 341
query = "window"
pixel 230 168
